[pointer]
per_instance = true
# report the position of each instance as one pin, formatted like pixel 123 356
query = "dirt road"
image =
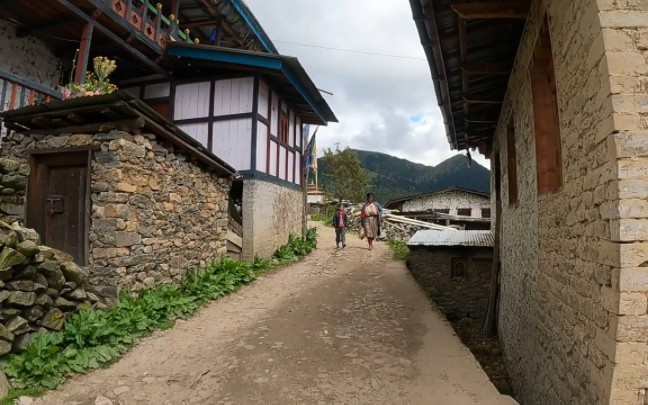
pixel 345 326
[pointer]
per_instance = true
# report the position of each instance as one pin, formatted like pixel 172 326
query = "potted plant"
pixel 96 82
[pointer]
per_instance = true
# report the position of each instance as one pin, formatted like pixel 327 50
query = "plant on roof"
pixel 96 82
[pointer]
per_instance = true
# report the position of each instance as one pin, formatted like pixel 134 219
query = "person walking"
pixel 370 217
pixel 340 222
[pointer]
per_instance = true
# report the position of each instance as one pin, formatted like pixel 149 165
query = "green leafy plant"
pixel 94 338
pixel 400 249
pixel 95 83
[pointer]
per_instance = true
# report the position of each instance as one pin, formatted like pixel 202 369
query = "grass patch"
pixel 401 251
pixel 95 338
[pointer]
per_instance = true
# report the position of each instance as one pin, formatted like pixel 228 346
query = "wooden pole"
pixel 490 320
pixel 84 53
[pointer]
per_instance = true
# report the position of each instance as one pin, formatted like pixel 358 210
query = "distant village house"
pixel 458 206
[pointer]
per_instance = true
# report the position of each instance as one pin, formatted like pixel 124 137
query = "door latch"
pixel 55 204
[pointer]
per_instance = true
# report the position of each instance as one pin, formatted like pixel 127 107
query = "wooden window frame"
pixel 546 116
pixel 283 128
pixel 511 163
pixel 486 210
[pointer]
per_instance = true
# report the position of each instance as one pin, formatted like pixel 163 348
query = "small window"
pixel 486 212
pixel 283 128
pixel 545 114
pixel 464 212
pixel 458 267
pixel 442 210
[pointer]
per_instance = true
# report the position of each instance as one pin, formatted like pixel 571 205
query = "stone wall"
pixel 27 57
pixel 571 259
pixel 155 213
pixel 452 200
pixel 466 297
pixel 39 286
pixel 271 212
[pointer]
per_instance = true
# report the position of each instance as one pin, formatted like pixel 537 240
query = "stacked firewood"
pixel 393 227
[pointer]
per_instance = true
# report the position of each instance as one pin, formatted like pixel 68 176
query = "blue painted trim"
pixel 257 175
pixel 253 24
pixel 266 62
pixel 216 56
pixel 300 88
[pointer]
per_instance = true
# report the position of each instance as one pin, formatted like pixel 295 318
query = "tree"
pixel 347 178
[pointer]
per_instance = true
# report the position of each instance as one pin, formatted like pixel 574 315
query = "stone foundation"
pixel 154 212
pixel 464 297
pixel 271 212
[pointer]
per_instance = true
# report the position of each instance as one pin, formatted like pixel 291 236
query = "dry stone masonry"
pixel 39 286
pixel 154 212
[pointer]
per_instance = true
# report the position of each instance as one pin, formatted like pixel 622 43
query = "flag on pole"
pixel 305 133
pixel 309 156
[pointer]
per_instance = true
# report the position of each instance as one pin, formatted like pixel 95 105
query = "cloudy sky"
pixel 384 104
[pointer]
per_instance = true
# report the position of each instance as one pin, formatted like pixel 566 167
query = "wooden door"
pixel 58 201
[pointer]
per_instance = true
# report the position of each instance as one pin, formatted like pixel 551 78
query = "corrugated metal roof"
pixel 452 238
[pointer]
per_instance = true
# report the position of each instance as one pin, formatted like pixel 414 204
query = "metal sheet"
pixel 452 238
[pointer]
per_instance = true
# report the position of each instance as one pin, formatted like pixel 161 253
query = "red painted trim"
pixel 12 98
pixel 84 53
pixel 32 97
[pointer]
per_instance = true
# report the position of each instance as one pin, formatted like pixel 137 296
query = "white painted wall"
pixel 452 200
pixel 273 158
pixel 282 163
pixel 233 96
pixel 264 99
pixel 199 132
pixel 291 168
pixel 191 101
pixel 262 145
pixel 291 128
pixel 232 142
pixel 274 114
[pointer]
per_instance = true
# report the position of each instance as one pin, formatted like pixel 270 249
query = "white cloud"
pixel 374 97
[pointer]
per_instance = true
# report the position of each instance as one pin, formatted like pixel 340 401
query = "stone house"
pixel 125 194
pixel 466 208
pixel 554 93
pixel 210 69
pixel 454 268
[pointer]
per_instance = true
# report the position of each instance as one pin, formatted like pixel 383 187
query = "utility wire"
pixel 350 50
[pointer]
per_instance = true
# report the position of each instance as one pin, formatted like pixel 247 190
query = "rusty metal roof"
pixel 452 238
pixel 470 46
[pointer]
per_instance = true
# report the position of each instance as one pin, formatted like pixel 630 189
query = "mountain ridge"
pixel 392 177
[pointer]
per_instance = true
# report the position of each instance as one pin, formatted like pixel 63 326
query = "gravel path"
pixel 344 326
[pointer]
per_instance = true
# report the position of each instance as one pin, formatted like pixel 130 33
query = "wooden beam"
pixel 84 53
pixel 201 23
pixel 490 10
pixel 484 101
pixel 115 38
pixel 485 69
pixel 215 13
pixel 128 125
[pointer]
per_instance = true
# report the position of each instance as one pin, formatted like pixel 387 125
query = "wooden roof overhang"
pixel 285 74
pixel 471 47
pixel 101 114
pixel 64 24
